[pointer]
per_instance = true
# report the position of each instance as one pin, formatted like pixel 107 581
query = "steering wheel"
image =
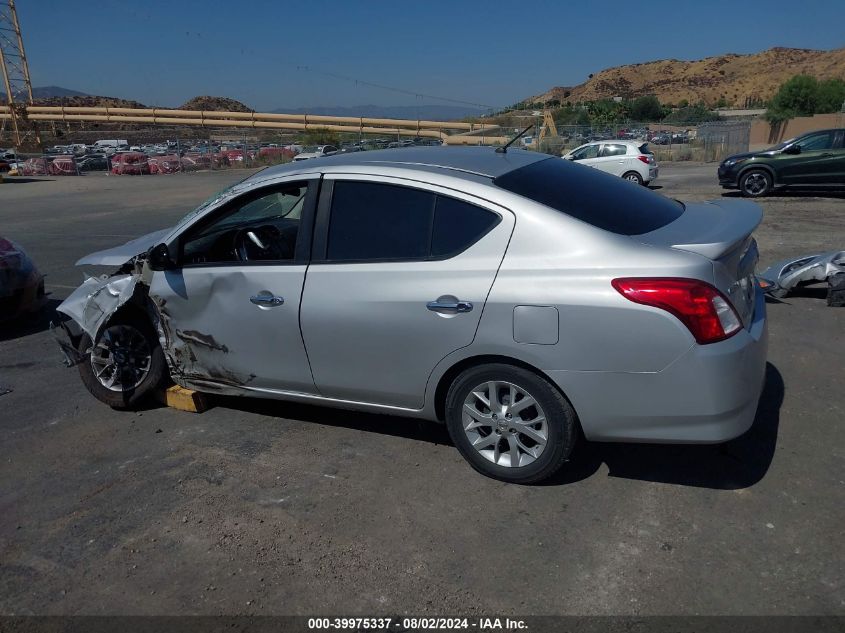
pixel 261 243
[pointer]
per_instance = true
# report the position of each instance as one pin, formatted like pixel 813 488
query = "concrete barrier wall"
pixel 765 134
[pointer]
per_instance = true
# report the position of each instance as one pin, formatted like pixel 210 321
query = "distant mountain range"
pixel 45 92
pixel 54 95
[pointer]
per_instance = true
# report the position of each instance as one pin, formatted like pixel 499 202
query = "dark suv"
pixel 815 159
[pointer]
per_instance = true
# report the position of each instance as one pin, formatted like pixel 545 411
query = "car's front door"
pixel 817 162
pixel 586 155
pixel 398 280
pixel 230 308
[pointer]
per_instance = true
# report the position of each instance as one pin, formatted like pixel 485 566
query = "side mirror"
pixel 793 149
pixel 158 258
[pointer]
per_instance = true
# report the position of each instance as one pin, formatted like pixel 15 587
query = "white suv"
pixel 631 160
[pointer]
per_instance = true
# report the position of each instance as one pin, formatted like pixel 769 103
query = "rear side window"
pixel 457 225
pixel 613 150
pixel 605 201
pixel 376 222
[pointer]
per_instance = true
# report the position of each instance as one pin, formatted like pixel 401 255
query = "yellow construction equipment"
pixel 549 126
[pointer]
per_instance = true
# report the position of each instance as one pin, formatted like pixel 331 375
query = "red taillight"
pixel 643 159
pixel 706 312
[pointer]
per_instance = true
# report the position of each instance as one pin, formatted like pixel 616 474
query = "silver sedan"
pixel 518 298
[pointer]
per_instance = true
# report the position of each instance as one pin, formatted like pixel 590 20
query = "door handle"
pixel 449 307
pixel 267 300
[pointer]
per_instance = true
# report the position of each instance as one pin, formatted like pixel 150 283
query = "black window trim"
pixel 319 254
pixel 304 236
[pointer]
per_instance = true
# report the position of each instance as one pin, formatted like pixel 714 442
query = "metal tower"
pixel 16 82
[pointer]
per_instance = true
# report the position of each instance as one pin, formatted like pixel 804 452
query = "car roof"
pixel 620 141
pixel 478 161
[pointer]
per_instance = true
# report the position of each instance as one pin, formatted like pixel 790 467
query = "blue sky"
pixel 490 52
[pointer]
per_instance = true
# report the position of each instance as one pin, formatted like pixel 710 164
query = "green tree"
pixel 691 114
pixel 646 109
pixel 798 96
pixel 831 96
pixel 320 137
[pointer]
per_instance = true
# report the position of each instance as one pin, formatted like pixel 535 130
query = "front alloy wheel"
pixel 125 365
pixel 755 183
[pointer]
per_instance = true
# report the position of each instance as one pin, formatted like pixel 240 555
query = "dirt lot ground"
pixel 271 508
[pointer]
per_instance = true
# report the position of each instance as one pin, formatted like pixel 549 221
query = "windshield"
pixel 782 144
pixel 213 200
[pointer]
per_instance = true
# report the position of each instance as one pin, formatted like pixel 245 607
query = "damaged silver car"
pixel 516 297
pixel 782 277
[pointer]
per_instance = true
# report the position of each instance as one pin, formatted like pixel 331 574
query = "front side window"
pixel 815 142
pixel 588 151
pixel 378 222
pixel 258 226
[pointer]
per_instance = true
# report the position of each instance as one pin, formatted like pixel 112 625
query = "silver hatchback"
pixel 519 298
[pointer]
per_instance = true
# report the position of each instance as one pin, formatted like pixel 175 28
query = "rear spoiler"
pixel 711 228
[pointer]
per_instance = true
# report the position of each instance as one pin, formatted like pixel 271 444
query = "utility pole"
pixel 16 81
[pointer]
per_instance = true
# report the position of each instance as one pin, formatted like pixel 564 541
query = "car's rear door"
pixel 230 309
pixel 398 280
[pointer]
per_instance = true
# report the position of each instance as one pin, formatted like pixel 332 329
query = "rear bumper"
pixel 708 395
pixel 652 174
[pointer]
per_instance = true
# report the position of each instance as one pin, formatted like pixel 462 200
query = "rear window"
pixel 645 149
pixel 605 201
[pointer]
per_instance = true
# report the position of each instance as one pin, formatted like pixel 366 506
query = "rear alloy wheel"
pixel 755 183
pixel 633 176
pixel 510 423
pixel 125 364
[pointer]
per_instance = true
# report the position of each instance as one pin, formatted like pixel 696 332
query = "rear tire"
pixel 755 183
pixel 128 363
pixel 632 176
pixel 526 420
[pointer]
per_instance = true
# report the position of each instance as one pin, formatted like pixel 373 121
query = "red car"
pixel 21 285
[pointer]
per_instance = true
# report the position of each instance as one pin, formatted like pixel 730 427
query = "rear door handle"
pixel 449 307
pixel 267 300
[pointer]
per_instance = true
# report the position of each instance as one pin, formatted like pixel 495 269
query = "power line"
pixel 418 95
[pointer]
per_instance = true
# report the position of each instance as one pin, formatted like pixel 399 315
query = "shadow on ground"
pixel 12 180
pixel 410 428
pixel 28 324
pixel 739 463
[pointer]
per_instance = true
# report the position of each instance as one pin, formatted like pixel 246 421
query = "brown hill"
pixel 89 101
pixel 736 78
pixel 215 104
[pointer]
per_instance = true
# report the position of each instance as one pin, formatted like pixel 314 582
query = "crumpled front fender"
pixel 91 305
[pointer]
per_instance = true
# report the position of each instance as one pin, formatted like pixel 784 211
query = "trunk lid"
pixel 719 230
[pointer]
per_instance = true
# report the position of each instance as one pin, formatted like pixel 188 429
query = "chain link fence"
pixel 163 151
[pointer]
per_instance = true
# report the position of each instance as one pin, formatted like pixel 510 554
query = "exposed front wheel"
pixel 755 183
pixel 125 365
pixel 510 423
pixel 634 177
